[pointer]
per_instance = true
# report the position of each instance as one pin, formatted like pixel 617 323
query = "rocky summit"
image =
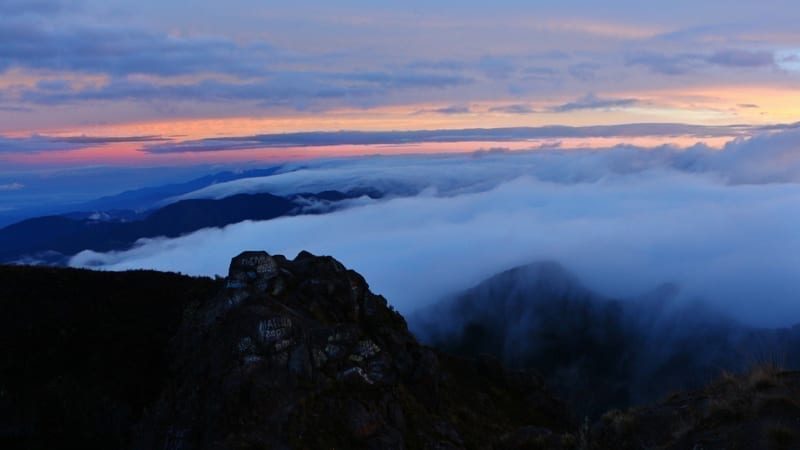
pixel 300 354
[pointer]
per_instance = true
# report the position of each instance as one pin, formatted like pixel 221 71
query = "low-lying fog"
pixel 724 225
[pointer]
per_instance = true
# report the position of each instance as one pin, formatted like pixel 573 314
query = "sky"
pixel 620 137
pixel 116 82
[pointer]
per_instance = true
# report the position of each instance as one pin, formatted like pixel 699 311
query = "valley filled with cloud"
pixel 720 224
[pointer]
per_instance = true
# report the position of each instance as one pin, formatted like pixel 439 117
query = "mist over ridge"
pixel 599 352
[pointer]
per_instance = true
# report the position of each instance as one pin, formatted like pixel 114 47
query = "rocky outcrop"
pixel 300 354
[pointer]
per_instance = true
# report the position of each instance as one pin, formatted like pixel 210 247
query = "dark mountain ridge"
pixel 300 354
pixel 53 239
pixel 135 201
pixel 147 198
pixel 595 351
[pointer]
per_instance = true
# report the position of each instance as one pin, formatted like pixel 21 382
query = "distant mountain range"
pixel 148 197
pixel 136 200
pixel 52 239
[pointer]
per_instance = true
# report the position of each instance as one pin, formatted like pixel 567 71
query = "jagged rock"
pixel 249 266
pixel 300 354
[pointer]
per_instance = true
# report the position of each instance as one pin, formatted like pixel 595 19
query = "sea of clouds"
pixel 722 224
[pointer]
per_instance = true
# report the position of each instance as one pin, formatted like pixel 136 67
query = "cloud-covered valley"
pixel 721 224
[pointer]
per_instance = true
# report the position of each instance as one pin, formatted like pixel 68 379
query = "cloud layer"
pixel 39 143
pixel 324 139
pixel 766 158
pixel 722 225
pixel 81 61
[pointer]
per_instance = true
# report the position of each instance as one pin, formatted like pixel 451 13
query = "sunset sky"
pixel 119 82
pixel 622 138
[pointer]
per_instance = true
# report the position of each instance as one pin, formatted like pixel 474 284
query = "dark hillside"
pixel 83 353
pixel 288 354
pixel 300 354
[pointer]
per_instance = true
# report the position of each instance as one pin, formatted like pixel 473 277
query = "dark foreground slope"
pixel 759 410
pixel 300 354
pixel 289 354
pixel 84 353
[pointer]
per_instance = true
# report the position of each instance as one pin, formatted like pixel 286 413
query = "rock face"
pixel 300 354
